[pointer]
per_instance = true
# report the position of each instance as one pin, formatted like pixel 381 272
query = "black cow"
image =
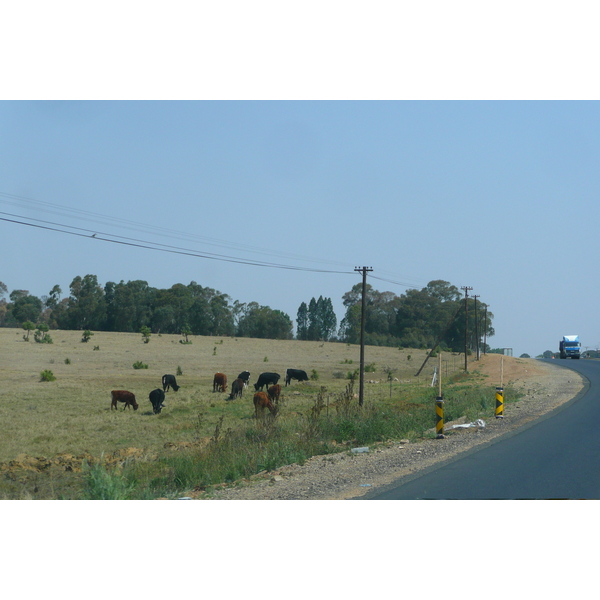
pixel 245 377
pixel 236 389
pixel 157 397
pixel 297 374
pixel 266 379
pixel 169 381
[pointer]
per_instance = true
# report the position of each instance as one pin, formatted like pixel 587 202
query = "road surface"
pixel 556 457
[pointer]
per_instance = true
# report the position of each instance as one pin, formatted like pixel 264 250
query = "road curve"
pixel 556 457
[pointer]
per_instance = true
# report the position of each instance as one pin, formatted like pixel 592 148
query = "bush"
pixel 41 336
pixel 145 331
pixel 47 375
pixel 67 361
pixel 140 365
pixel 87 334
pixel 314 375
pixel 179 371
pixel 101 484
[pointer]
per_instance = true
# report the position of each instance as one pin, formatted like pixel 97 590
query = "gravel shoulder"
pixel 346 475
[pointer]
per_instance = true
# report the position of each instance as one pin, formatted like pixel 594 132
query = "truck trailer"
pixel 570 346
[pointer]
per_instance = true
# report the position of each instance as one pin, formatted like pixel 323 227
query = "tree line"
pixel 415 319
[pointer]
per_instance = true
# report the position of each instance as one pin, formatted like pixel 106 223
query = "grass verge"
pixel 267 444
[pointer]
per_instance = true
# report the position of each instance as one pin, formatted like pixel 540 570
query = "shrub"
pixel 96 347
pixel 145 331
pixel 139 365
pixel 314 375
pixel 67 361
pixel 179 371
pixel 101 484
pixel 371 368
pixel 41 336
pixel 87 334
pixel 47 375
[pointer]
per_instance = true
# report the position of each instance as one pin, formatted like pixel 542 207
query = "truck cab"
pixel 570 346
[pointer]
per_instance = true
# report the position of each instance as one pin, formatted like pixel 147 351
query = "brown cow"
pixel 261 401
pixel 237 387
pixel 123 396
pixel 220 382
pixel 274 392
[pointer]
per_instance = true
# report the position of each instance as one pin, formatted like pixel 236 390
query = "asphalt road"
pixel 556 457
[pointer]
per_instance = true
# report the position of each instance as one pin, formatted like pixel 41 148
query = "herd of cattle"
pixel 262 401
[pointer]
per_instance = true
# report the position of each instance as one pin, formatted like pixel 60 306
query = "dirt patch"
pixel 71 462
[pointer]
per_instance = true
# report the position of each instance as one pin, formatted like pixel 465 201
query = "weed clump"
pixel 47 375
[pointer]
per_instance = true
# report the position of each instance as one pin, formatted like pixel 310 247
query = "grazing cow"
pixel 245 377
pixel 220 382
pixel 236 389
pixel 169 381
pixel 157 397
pixel 274 392
pixel 266 379
pixel 261 401
pixel 297 374
pixel 123 396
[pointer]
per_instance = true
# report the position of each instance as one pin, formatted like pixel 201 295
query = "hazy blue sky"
pixel 497 195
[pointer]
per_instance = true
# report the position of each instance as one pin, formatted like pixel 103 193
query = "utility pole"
pixel 361 386
pixel 485 330
pixel 476 331
pixel 466 322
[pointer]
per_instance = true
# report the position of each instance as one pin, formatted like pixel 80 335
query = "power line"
pixel 97 218
pixel 162 231
pixel 90 233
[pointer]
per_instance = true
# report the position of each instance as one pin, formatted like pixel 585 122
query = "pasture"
pixel 71 416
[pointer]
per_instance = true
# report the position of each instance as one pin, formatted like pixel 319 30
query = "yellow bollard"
pixel 499 403
pixel 439 417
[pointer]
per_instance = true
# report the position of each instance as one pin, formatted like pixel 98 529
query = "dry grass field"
pixel 72 414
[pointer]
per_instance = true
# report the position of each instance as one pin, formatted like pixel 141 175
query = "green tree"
pixel 146 333
pixel 25 307
pixel 264 322
pixel 302 322
pixel 41 335
pixel 129 305
pixel 318 320
pixel 28 326
pixel 86 308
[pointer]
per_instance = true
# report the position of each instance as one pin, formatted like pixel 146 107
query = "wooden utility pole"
pixel 485 331
pixel 476 331
pixel 466 322
pixel 363 313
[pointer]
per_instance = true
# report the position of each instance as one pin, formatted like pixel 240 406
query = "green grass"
pixel 73 415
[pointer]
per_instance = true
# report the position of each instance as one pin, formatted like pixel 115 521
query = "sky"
pixel 500 196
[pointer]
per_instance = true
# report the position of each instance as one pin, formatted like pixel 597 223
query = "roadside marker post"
pixel 499 403
pixel 439 405
pixel 500 393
